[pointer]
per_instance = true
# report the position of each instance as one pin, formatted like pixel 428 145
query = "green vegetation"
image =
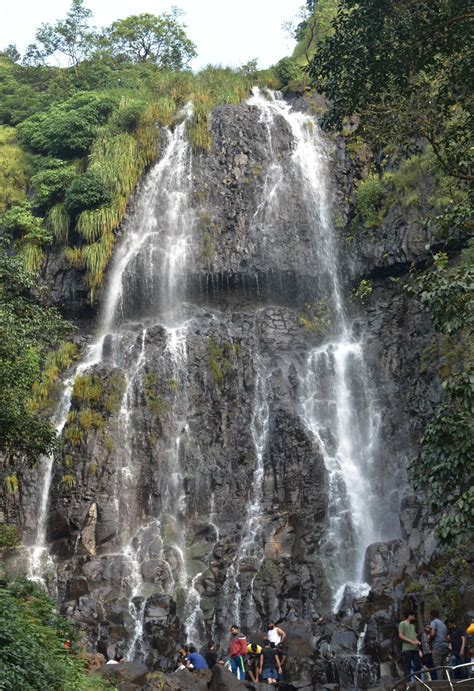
pixel 11 484
pixel 32 636
pixel 29 331
pixel 153 399
pixel 220 359
pixel 8 537
pixel 444 468
pixel 146 37
pixel 316 317
pixel 13 175
pixel 363 290
pixel 45 391
pixel 371 200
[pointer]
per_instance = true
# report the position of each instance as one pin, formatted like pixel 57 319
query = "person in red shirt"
pixel 237 652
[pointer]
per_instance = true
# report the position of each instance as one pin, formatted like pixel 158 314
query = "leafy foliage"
pixel 32 636
pixel 86 192
pixel 444 468
pixel 71 37
pixel 287 70
pixel 66 129
pixel 28 331
pixel 12 169
pixel 51 183
pixel 400 66
pixel 315 26
pixel 8 537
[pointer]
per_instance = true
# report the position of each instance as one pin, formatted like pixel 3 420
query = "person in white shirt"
pixel 275 635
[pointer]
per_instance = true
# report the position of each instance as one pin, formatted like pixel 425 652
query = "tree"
pixel 404 68
pixel 72 37
pixel 146 37
pixel 11 53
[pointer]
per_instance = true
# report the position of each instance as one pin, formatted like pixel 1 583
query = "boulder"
pixel 224 680
pixel 134 672
pixel 183 680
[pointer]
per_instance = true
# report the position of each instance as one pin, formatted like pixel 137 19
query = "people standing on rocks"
pixel 457 646
pixel 410 644
pixel 275 635
pixel 253 661
pixel 270 666
pixel 211 654
pixel 237 652
pixel 439 642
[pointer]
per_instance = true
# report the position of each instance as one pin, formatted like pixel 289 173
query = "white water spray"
pixel 333 380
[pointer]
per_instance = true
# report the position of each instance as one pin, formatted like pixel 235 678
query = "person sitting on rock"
pixel 275 635
pixel 195 660
pixel 237 652
pixel 183 658
pixel 253 661
pixel 115 661
pixel 270 666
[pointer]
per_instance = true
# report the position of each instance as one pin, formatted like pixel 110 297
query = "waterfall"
pixel 172 480
pixel 336 403
pixel 147 278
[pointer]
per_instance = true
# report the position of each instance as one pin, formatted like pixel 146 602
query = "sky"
pixel 226 32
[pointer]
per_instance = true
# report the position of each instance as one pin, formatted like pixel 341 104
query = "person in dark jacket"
pixel 457 645
pixel 211 654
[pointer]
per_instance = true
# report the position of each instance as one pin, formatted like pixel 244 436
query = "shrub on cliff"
pixel 32 637
pixel 66 129
pixel 86 192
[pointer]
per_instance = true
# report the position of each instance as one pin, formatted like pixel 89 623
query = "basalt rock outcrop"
pixel 162 435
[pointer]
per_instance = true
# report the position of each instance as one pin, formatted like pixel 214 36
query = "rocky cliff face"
pixel 192 489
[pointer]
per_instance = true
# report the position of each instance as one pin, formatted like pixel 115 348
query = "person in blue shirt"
pixel 195 660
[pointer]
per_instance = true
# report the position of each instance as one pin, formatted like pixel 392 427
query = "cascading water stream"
pixel 333 379
pixel 249 555
pixel 154 249
pixel 39 561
